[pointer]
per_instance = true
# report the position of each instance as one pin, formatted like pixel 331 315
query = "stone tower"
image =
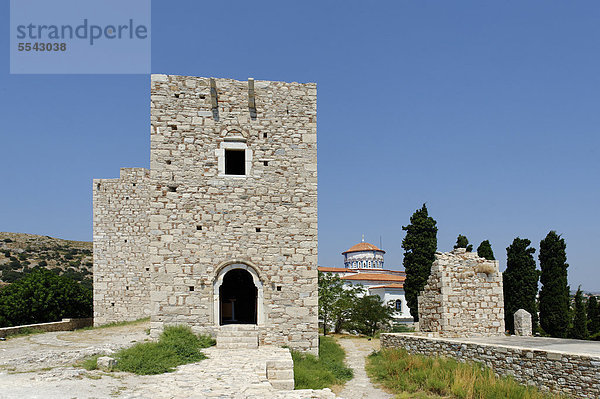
pixel 222 231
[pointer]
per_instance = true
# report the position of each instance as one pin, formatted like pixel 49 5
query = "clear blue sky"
pixel 487 111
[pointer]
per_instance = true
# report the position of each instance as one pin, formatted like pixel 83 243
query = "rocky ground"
pixel 41 366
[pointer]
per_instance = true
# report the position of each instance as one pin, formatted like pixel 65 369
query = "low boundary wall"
pixel 63 325
pixel 573 374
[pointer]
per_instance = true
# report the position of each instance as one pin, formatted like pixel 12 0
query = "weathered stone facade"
pixel 205 221
pixel 574 374
pixel 121 270
pixel 463 296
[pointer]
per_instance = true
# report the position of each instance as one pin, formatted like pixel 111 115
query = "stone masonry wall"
pixel 463 296
pixel 571 374
pixel 121 270
pixel 202 220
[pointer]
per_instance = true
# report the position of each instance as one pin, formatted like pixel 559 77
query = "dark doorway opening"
pixel 235 162
pixel 238 298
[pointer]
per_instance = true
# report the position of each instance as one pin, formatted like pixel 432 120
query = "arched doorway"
pixel 239 281
pixel 238 298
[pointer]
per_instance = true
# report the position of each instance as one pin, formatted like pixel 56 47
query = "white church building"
pixel 363 264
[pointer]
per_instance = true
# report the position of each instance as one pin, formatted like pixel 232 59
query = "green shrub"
pixel 401 372
pixel 177 345
pixel 42 296
pixel 327 370
pixel 401 328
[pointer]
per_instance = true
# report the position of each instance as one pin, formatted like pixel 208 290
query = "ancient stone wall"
pixel 572 374
pixel 203 220
pixel 463 296
pixel 63 325
pixel 121 270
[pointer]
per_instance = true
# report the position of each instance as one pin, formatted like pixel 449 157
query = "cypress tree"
pixel 463 242
pixel 593 315
pixel 520 282
pixel 579 330
pixel 484 250
pixel 554 295
pixel 419 244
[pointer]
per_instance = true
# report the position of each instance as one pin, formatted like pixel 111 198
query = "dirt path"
pixel 360 386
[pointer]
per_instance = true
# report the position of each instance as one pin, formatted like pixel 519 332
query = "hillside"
pixel 19 253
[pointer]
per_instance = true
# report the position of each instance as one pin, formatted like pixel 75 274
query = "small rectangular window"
pixel 235 162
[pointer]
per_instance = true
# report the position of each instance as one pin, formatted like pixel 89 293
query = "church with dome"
pixel 363 265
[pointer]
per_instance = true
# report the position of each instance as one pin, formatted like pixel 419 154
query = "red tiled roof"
pixel 335 270
pixel 375 277
pixel 393 285
pixel 363 246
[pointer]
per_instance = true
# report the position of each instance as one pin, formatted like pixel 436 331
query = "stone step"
pixel 237 337
pixel 237 345
pixel 233 340
pixel 239 327
pixel 239 334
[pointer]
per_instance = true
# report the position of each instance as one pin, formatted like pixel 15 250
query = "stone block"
pixel 106 363
pixel 523 323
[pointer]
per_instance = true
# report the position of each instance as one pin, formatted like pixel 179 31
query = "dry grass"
pixel 437 377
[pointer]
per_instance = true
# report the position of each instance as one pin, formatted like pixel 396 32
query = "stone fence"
pixel 63 325
pixel 577 375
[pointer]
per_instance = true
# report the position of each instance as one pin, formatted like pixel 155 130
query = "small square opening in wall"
pixel 147 269
pixel 278 288
pixel 173 127
pixel 265 135
pixel 127 288
pixel 198 228
pixel 172 189
pixel 258 229
pixel 235 162
pixel 112 304
pixel 98 186
pixel 125 240
pixel 168 162
pixel 191 288
pixel 266 163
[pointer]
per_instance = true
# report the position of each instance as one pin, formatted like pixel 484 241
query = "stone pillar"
pixel 523 324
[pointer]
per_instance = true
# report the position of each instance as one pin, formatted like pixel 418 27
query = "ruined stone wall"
pixel 202 220
pixel 121 269
pixel 573 374
pixel 463 296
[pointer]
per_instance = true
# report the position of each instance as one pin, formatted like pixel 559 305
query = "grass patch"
pixel 116 324
pixel 327 370
pixel 176 345
pixel 435 377
pixel 89 363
